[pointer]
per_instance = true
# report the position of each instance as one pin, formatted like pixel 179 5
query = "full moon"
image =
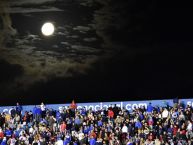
pixel 47 29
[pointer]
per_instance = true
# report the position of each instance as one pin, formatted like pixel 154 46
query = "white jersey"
pixel 43 107
pixel 13 141
pixel 59 142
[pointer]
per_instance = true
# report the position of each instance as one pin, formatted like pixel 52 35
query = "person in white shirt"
pixel 124 132
pixel 189 126
pixel 59 142
pixel 43 108
pixel 80 136
pixel 31 130
pixel 124 129
pixel 23 138
pixel 181 116
pixel 189 133
pixel 165 113
pixel 13 141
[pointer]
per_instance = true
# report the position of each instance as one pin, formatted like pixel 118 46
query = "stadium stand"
pixel 150 125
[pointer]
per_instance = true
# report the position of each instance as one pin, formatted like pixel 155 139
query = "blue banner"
pixel 128 105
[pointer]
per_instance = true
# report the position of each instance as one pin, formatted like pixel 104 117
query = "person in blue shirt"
pixel 92 141
pixel 85 129
pixel 18 108
pixel 100 123
pixel 17 132
pixel 83 111
pixel 58 117
pixel 141 116
pixel 138 124
pixel 67 140
pixel 149 108
pixel 91 127
pixel 8 132
pixel 4 141
pixel 77 121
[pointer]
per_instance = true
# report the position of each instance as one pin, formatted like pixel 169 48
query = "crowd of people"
pixel 151 125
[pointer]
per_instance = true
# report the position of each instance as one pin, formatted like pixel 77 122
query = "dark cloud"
pixel 9 71
pixel 33 10
pixel 29 6
pixel 8 74
pixel 90 39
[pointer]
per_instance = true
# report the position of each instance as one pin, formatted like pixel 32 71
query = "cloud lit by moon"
pixel 77 44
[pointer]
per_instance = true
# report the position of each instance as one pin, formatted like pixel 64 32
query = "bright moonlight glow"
pixel 47 29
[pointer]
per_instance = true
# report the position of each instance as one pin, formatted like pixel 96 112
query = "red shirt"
pixel 175 129
pixel 62 127
pixel 110 113
pixel 183 132
pixel 73 105
pixel 1 135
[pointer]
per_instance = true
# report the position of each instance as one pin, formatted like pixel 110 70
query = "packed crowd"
pixel 169 125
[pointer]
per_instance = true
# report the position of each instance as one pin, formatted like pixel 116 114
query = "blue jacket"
pixel 149 108
pixel 83 113
pixel 138 124
pixel 4 143
pixel 141 116
pixel 18 108
pixel 86 130
pixel 92 141
pixel 91 127
pixel 67 141
pixel 170 130
pixel 8 132
pixel 58 115
pixel 100 123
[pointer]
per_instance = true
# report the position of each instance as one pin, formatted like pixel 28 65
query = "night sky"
pixel 101 50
